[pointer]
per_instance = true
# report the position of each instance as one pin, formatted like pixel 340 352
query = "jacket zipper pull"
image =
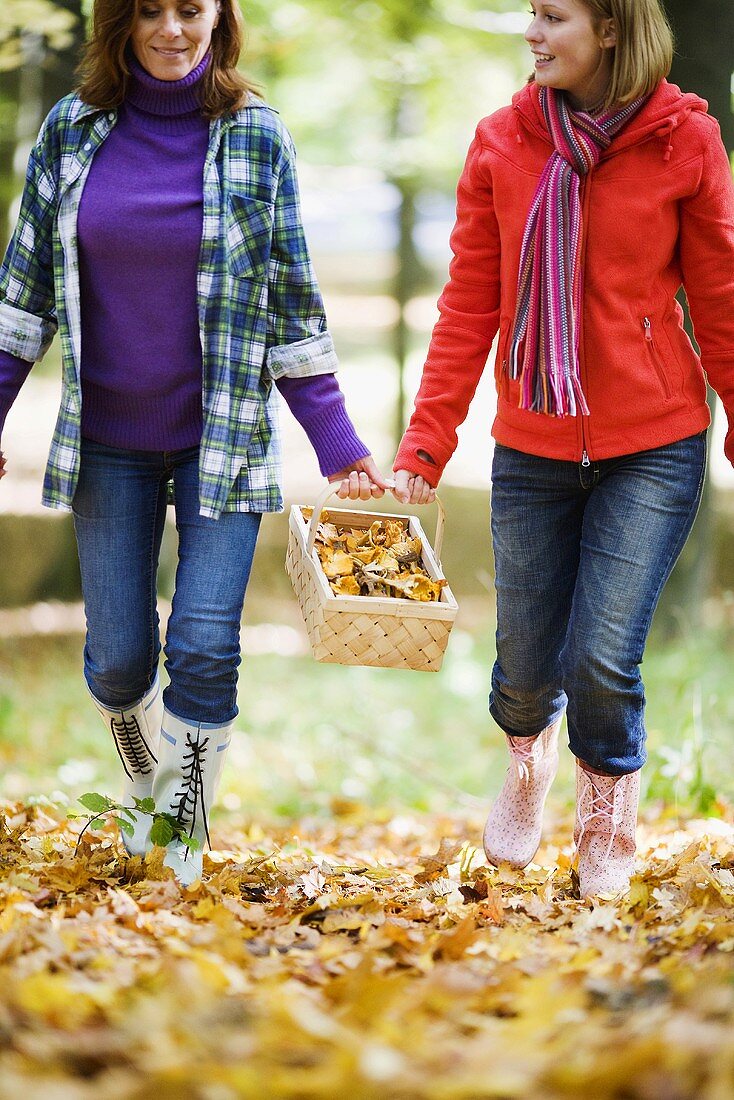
pixel 647 325
pixel 585 461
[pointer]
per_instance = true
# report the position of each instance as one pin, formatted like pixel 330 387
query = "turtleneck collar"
pixel 168 99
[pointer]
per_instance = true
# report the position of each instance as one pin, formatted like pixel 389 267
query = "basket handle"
pixel 332 488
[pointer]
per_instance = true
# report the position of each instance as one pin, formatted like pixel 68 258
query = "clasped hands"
pixel 363 481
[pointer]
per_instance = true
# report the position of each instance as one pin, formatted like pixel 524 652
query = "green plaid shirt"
pixel 261 314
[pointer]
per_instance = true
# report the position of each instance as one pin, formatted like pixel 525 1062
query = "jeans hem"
pixel 523 733
pixel 213 723
pixel 610 769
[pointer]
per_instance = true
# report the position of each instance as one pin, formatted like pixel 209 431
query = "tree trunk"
pixel 59 67
pixel 702 64
pixel 8 140
pixel 26 96
pixel 409 270
pixel 404 285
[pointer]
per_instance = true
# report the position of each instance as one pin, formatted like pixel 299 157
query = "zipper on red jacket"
pixel 657 361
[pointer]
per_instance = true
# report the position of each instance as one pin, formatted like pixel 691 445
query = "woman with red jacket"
pixel 581 210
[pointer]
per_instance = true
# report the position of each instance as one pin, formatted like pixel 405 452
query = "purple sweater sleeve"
pixel 318 405
pixel 13 373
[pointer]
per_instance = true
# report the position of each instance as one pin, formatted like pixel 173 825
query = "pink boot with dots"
pixel 604 836
pixel 515 822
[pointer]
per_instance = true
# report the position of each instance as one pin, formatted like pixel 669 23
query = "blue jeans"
pixel 119 514
pixel 581 557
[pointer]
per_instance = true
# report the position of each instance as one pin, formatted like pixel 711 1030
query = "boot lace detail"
pixel 604 807
pixel 521 754
pixel 188 802
pixel 134 751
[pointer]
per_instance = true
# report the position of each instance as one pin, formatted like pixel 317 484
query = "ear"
pixel 607 34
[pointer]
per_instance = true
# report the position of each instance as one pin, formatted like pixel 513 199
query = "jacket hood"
pixel 665 110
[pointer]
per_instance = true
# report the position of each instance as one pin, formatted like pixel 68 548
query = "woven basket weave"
pixel 368 630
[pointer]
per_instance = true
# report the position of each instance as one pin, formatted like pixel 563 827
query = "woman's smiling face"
pixel 572 53
pixel 170 37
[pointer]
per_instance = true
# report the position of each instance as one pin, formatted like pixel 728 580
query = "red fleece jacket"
pixel 658 213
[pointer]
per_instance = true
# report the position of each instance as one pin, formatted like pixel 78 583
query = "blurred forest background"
pixel 382 97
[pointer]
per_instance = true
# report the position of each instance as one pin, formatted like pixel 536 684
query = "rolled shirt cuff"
pixel 23 334
pixel 304 358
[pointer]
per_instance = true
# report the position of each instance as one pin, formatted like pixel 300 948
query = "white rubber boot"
pixel 604 835
pixel 135 731
pixel 190 764
pixel 515 822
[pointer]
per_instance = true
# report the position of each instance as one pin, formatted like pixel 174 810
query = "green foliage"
pixel 374 82
pixel 164 826
pixel 692 710
pixel 97 803
pixel 36 18
pixel 161 832
pixel 125 825
pixel 387 739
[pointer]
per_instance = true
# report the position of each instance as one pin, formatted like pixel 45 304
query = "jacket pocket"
pixel 657 362
pixel 249 228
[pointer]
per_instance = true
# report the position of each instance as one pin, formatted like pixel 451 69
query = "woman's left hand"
pixel 360 481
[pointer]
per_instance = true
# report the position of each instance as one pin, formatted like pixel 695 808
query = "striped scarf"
pixel 544 351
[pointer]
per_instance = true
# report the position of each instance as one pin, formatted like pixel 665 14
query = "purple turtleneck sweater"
pixel 139 234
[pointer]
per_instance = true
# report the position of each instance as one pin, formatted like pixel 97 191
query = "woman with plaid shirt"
pixel 160 233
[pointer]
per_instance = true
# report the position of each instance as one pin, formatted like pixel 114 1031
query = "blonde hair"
pixel 643 52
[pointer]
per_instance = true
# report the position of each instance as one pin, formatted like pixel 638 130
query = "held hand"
pixel 2 464
pixel 360 481
pixel 412 488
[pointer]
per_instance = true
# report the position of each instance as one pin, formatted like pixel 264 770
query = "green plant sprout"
pixel 164 828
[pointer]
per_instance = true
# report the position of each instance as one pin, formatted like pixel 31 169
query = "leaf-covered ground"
pixel 350 957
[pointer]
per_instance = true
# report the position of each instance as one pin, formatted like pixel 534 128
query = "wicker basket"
pixel 368 630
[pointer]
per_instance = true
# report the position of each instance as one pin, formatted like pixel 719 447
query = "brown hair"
pixel 104 71
pixel 643 52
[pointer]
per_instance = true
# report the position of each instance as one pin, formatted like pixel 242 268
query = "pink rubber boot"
pixel 515 822
pixel 604 835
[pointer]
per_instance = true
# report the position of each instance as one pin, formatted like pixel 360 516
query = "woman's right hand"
pixel 412 488
pixel 2 464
